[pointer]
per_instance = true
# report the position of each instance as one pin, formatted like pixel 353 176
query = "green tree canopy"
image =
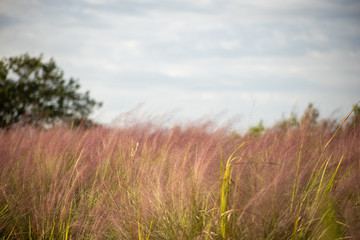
pixel 35 91
pixel 309 118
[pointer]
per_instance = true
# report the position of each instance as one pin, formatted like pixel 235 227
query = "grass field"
pixel 192 182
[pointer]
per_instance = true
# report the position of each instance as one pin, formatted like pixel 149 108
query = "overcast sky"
pixel 250 59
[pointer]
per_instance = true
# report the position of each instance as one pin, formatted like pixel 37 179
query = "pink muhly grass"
pixel 148 182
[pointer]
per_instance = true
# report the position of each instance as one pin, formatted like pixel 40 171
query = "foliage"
pixel 309 118
pixel 310 115
pixel 35 91
pixel 355 119
pixel 257 130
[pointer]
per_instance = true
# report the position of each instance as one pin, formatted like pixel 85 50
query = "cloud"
pixel 99 2
pixel 199 56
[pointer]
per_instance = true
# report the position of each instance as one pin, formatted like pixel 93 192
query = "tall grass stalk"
pixel 68 222
pixel 148 231
pixel 225 189
pixel 322 194
pixel 332 137
pixel 296 180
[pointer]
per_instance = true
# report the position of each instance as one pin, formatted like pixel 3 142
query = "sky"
pixel 191 60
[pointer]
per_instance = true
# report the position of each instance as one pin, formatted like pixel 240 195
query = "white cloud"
pixel 15 7
pixel 231 44
pixel 99 2
pixel 209 96
pixel 199 56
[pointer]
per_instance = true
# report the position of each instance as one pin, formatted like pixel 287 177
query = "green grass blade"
pixel 150 228
pixel 12 230
pixel 68 222
pixel 225 189
pixel 296 180
pixel 139 230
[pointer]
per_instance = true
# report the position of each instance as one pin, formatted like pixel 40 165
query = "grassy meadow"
pixel 291 181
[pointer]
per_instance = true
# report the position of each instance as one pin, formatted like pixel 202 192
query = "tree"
pixel 355 118
pixel 309 118
pixel 257 130
pixel 33 91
